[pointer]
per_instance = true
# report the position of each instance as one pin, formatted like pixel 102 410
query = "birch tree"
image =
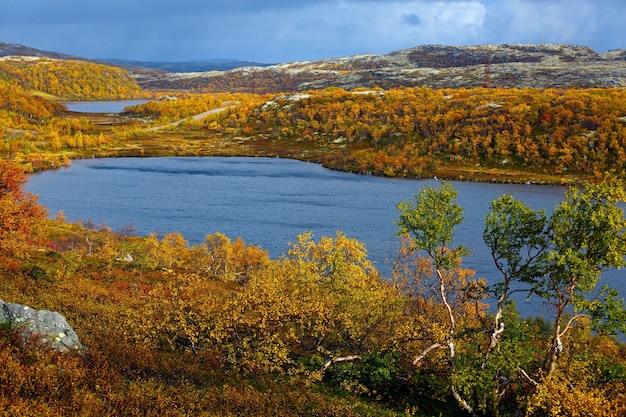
pixel 559 258
pixel 429 219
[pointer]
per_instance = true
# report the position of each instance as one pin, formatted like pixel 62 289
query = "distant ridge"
pixel 185 66
pixel 433 66
pixel 14 49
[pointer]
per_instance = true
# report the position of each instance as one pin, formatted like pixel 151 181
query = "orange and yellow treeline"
pixel 26 125
pixel 32 130
pixel 397 132
pixel 34 133
pixel 26 107
pixel 180 105
pixel 404 131
pixel 78 80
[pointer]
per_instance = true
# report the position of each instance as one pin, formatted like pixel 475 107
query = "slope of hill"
pixel 14 49
pixel 70 79
pixel 435 66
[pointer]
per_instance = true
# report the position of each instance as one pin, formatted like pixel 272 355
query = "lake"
pixel 266 201
pixel 101 106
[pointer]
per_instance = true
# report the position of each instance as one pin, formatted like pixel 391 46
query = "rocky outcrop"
pixel 435 66
pixel 41 326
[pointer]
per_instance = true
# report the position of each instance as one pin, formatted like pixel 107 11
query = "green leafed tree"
pixel 429 220
pixel 558 258
pixel 587 234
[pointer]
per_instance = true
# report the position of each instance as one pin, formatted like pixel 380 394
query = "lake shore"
pixel 179 139
pixel 177 145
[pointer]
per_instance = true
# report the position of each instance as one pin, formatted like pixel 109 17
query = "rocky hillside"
pixel 435 66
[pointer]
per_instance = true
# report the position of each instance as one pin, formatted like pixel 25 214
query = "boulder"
pixel 43 326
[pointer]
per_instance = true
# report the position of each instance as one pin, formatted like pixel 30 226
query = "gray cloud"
pixel 599 25
pixel 412 19
pixel 287 30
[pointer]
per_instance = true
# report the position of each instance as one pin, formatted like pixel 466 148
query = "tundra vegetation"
pixel 518 135
pixel 220 328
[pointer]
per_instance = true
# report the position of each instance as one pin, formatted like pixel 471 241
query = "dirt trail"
pixel 195 117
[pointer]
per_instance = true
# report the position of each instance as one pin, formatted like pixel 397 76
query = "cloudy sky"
pixel 273 31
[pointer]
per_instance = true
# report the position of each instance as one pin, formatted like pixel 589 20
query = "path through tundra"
pixel 195 117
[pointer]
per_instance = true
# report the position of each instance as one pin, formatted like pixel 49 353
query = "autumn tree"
pixel 19 210
pixel 219 257
pixel 429 220
pixel 516 235
pixel 171 251
pixel 320 306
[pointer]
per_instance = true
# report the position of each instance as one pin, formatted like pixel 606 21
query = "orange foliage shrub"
pixel 19 210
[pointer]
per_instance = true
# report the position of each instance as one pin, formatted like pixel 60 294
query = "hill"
pixel 14 49
pixel 434 66
pixel 70 79
pixel 218 64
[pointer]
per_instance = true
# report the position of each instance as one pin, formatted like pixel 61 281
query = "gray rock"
pixel 47 327
pixel 4 318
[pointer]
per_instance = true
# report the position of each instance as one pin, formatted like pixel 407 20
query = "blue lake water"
pixel 101 106
pixel 266 201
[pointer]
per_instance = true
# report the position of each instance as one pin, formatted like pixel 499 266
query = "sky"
pixel 279 31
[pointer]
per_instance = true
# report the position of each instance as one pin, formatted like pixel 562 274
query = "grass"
pixel 46 96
